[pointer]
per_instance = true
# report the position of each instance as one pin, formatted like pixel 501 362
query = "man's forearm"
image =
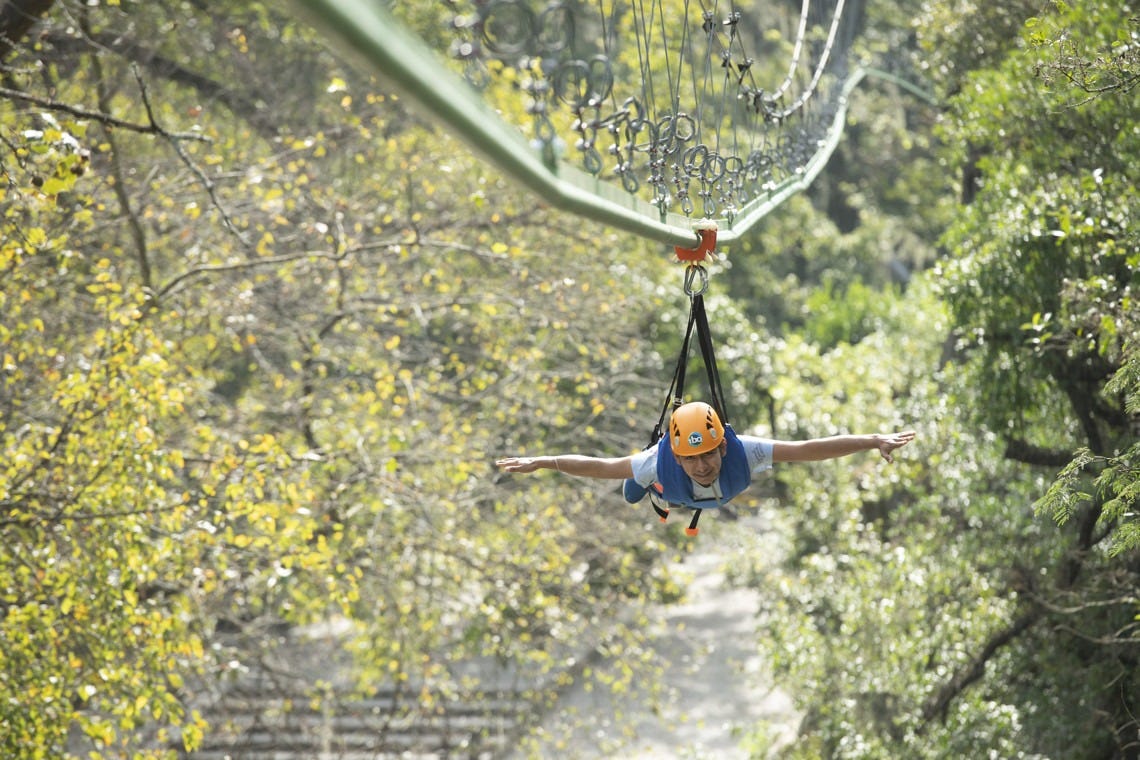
pixel 588 467
pixel 818 449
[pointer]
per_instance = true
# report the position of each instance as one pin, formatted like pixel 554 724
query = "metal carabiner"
pixel 693 272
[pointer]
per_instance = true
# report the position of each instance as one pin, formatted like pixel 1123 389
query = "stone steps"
pixel 267 726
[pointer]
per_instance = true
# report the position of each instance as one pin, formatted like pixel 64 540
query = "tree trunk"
pixel 17 17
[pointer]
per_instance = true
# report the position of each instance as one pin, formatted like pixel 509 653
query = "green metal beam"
pixel 382 42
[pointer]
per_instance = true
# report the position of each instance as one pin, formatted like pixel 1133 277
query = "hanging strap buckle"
pixel 692 530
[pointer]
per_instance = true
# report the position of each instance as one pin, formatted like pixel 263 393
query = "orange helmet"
pixel 695 428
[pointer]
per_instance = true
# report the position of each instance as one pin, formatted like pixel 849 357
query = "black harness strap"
pixel 704 337
pixel 698 319
pixel 676 394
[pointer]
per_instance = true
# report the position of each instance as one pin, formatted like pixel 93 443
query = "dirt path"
pixel 717 690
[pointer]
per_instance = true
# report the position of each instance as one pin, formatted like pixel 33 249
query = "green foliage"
pixel 1038 277
pixel 258 355
pixel 256 367
pixel 933 614
pixel 961 36
pixel 1117 488
pixel 845 316
pixel 1046 267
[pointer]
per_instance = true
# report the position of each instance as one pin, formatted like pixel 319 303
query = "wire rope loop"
pixel 579 83
pixel 476 74
pixel 685 128
pixel 507 27
pixel 555 29
pixel 544 128
pixel 714 168
pixel 694 274
pixel 709 206
pixel 695 159
pixel 591 159
pixel 734 168
pixel 629 180
pixel 633 105
pixel 651 144
pixel 674 130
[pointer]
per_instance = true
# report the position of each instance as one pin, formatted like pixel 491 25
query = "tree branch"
pixel 51 104
pixel 170 286
pixel 17 17
pixel 243 107
pixel 937 704
pixel 119 186
pixel 1025 452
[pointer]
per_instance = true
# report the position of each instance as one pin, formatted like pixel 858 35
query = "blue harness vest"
pixel 677 487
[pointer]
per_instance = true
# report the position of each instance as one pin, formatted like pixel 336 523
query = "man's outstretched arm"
pixel 612 468
pixel 836 446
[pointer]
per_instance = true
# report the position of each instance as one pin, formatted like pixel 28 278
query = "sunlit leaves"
pixel 1041 281
pixel 1044 273
pixel 293 421
pixel 349 318
pixel 83 479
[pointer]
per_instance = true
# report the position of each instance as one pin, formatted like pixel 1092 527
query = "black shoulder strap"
pixel 676 393
pixel 704 337
pixel 698 318
pixel 675 397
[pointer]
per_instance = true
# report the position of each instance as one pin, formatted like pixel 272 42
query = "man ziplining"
pixel 702 463
pixel 699 461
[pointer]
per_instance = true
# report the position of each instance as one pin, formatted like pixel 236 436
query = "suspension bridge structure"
pixel 656 117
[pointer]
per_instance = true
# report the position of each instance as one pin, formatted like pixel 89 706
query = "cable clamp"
pixel 705 249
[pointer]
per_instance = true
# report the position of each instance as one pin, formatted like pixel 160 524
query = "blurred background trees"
pixel 264 332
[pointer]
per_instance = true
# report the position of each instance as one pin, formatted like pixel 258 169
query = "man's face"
pixel 704 468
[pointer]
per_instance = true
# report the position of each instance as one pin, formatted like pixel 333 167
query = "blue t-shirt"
pixel 757 451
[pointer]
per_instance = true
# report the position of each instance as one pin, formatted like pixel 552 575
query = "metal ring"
pixel 579 83
pixel 555 30
pixel 692 272
pixel 591 159
pixel 507 27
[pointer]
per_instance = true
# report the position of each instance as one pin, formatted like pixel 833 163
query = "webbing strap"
pixel 698 318
pixel 704 337
pixel 676 393
pixel 692 529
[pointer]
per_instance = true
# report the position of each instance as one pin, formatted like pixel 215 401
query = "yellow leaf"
pixel 35 237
